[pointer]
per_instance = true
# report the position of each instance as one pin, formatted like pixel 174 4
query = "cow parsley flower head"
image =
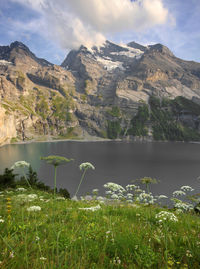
pixel 33 208
pixel 178 193
pixel 113 186
pixel 146 198
pixel 114 196
pixel 20 164
pixel 164 216
pixel 187 188
pixel 32 196
pixel 131 187
pixel 85 166
pixel 43 258
pixel 1 220
pixel 21 189
pixel 184 206
pixel 93 208
pixel 162 196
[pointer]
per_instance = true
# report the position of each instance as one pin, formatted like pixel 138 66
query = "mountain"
pixel 112 91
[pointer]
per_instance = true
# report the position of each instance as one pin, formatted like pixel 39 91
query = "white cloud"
pixel 89 22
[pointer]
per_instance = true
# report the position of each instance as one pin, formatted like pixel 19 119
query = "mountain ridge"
pixel 94 92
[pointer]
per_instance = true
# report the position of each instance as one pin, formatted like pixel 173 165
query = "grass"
pixel 117 235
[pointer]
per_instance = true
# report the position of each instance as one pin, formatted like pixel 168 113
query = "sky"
pixel 51 28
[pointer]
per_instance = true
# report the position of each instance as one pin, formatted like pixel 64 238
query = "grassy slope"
pixel 115 236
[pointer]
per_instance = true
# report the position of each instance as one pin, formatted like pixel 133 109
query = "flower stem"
pixel 27 180
pixel 55 181
pixel 80 181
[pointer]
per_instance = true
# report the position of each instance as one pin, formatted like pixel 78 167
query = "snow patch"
pixel 131 53
pixel 4 62
pixel 109 64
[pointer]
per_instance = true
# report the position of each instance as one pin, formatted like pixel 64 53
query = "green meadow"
pixel 126 228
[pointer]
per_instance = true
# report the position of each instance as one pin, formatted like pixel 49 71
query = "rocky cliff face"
pixel 95 92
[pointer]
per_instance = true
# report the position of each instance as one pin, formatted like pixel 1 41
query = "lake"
pixel 174 164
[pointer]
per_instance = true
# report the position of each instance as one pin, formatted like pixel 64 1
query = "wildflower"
pixel 115 196
pixel 11 254
pixel 43 258
pixel 116 260
pixel 166 216
pixel 162 196
pixel 93 208
pixel 85 166
pixel 95 192
pixel 108 192
pixel 113 186
pixel 131 187
pixel 21 189
pixel 32 196
pixel 34 208
pixel 178 193
pixel 179 211
pixel 1 220
pixel 188 253
pixel 60 198
pixel 187 188
pixel 20 164
pixel 146 198
pixel 56 161
pixel 183 206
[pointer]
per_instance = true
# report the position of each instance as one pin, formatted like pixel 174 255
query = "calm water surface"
pixel 174 164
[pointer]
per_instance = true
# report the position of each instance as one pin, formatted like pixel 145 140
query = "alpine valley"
pixel 113 91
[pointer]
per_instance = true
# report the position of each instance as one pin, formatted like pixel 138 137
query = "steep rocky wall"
pixel 7 127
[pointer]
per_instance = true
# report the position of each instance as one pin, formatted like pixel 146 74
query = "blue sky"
pixel 51 28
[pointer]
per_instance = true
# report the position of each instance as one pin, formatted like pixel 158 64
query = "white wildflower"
pixel 32 197
pixel 131 187
pixel 95 191
pixel 162 196
pixel 114 196
pixel 85 166
pixel 113 186
pixel 21 189
pixel 183 206
pixel 60 198
pixel 33 208
pixel 109 192
pixel 1 220
pixel 166 216
pixel 11 254
pixel 179 211
pixel 93 208
pixel 117 260
pixel 43 258
pixel 187 188
pixel 178 193
pixel 20 164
